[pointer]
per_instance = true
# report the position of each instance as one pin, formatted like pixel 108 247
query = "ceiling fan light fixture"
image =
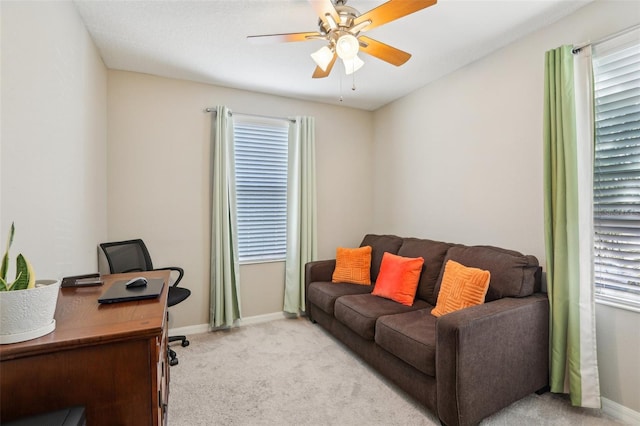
pixel 340 25
pixel 347 46
pixel 332 22
pixel 352 65
pixel 322 57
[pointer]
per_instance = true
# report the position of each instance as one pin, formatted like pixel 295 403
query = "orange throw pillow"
pixel 398 278
pixel 353 266
pixel 461 287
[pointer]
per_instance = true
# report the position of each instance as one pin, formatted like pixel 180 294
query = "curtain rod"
pixel 215 110
pixel 607 38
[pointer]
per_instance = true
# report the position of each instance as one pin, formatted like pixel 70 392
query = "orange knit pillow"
pixel 353 266
pixel 461 287
pixel 398 278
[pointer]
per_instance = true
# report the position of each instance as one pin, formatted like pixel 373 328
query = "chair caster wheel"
pixel 173 361
pixel 185 343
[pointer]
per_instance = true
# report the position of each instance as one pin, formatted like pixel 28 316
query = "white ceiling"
pixel 205 41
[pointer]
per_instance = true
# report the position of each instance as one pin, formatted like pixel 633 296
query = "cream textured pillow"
pixel 461 287
pixel 353 265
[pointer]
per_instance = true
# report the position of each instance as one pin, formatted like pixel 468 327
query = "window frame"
pixel 276 131
pixel 607 292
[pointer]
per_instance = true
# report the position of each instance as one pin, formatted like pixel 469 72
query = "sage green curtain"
pixel 573 366
pixel 301 211
pixel 224 306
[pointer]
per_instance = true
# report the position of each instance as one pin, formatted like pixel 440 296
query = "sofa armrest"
pixel 319 270
pixel 489 356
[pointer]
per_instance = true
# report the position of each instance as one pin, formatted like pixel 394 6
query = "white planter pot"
pixel 28 314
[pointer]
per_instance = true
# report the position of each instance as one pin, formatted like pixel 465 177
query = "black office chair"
pixel 133 256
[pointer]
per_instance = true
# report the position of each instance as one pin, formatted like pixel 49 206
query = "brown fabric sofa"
pixel 463 366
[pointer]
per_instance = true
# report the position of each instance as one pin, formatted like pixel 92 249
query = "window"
pixel 261 188
pixel 617 172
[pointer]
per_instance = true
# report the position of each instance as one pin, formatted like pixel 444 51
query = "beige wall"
pixel 461 160
pixel 159 190
pixel 446 162
pixel 53 138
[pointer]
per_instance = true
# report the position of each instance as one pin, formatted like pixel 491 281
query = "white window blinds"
pixel 261 188
pixel 617 171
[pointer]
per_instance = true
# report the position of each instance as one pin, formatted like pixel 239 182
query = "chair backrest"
pixel 127 256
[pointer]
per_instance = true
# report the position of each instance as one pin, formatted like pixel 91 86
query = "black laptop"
pixel 118 292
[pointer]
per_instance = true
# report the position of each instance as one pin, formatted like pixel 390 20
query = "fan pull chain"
pixel 353 84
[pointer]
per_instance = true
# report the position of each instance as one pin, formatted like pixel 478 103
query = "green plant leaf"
pixel 32 275
pixel 5 258
pixel 5 266
pixel 22 274
pixel 25 277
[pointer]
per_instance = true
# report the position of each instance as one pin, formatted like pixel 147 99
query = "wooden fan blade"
pixel 390 11
pixel 324 8
pixel 318 73
pixel 383 51
pixel 280 38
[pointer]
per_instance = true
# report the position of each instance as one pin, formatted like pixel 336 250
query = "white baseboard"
pixel 203 328
pixel 620 412
pixel 190 329
pixel 258 319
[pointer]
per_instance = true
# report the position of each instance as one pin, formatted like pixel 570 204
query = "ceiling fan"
pixel 342 27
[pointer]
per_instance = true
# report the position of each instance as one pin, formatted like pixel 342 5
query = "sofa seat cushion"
pixel 324 294
pixel 359 312
pixel 410 336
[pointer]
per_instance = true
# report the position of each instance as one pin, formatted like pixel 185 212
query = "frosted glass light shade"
pixel 352 65
pixel 322 57
pixel 347 46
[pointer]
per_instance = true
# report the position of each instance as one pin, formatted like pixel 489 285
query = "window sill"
pixel 253 262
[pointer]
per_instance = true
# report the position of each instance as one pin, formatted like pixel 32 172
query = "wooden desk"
pixel 112 359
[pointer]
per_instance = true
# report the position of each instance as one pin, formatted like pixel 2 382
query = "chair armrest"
pixel 489 356
pixel 177 269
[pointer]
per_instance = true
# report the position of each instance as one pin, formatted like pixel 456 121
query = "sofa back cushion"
pixel 512 273
pixel 379 245
pixel 433 253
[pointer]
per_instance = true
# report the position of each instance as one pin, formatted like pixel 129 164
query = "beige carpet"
pixel 291 372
